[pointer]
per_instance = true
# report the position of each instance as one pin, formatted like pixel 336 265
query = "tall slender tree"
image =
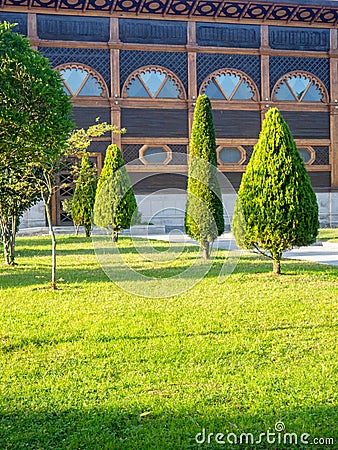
pixel 115 203
pixel 84 196
pixel 34 128
pixel 276 207
pixel 204 219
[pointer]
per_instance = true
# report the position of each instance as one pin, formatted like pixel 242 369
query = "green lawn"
pixel 328 234
pixel 91 367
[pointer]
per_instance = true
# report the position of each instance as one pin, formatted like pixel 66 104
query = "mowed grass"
pixel 90 366
pixel 328 234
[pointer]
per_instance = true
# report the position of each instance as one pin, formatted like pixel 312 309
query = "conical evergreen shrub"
pixel 115 201
pixel 204 219
pixel 84 196
pixel 276 207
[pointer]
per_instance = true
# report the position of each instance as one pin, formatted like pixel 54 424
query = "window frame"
pixel 145 147
pixel 225 164
pixel 169 74
pixel 299 73
pixel 90 71
pixel 311 151
pixel 230 71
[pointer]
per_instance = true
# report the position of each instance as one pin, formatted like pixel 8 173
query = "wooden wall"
pixel 191 47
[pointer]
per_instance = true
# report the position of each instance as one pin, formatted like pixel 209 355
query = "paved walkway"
pixel 321 252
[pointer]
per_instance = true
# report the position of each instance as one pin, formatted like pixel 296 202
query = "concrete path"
pixel 321 252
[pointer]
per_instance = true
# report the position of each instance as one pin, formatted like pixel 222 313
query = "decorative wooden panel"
pixel 237 124
pixel 72 28
pixel 153 32
pixel 291 38
pixel 320 180
pixel 312 125
pixel 19 18
pixel 156 182
pixel 85 117
pixel 150 122
pixel 228 35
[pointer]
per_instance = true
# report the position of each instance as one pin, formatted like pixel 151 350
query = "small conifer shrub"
pixel 204 219
pixel 115 203
pixel 84 196
pixel 276 207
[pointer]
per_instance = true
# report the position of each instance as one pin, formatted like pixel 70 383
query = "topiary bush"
pixel 276 207
pixel 115 202
pixel 204 219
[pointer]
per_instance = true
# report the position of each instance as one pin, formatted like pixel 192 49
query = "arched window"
pixel 153 82
pixel 82 81
pixel 299 87
pixel 230 85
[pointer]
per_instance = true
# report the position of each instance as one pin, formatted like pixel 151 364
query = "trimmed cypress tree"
pixel 276 207
pixel 204 219
pixel 115 201
pixel 84 196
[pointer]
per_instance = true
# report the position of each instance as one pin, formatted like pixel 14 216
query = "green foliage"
pixel 115 202
pixel 204 219
pixel 81 366
pixel 34 127
pixel 81 139
pixel 67 207
pixel 34 109
pixel 276 208
pixel 84 196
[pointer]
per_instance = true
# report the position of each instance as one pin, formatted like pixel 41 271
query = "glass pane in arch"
pixel 228 82
pixel 66 90
pixel 283 93
pixel 153 80
pixel 244 92
pixel 313 94
pixel 169 90
pixel 212 91
pixel 74 78
pixel 298 84
pixel 91 88
pixel 136 89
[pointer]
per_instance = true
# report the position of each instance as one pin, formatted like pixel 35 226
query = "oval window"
pixel 230 155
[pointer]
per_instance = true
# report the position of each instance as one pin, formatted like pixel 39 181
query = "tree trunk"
pixel 52 235
pixel 115 236
pixel 206 250
pixel 8 230
pixel 276 267
pixel 87 231
pixel 12 240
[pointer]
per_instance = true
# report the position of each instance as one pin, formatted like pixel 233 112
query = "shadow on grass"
pixel 69 276
pixel 142 427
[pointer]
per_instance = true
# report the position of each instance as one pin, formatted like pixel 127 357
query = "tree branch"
pixel 261 252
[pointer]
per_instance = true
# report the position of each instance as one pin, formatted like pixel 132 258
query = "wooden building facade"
pixel 140 64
